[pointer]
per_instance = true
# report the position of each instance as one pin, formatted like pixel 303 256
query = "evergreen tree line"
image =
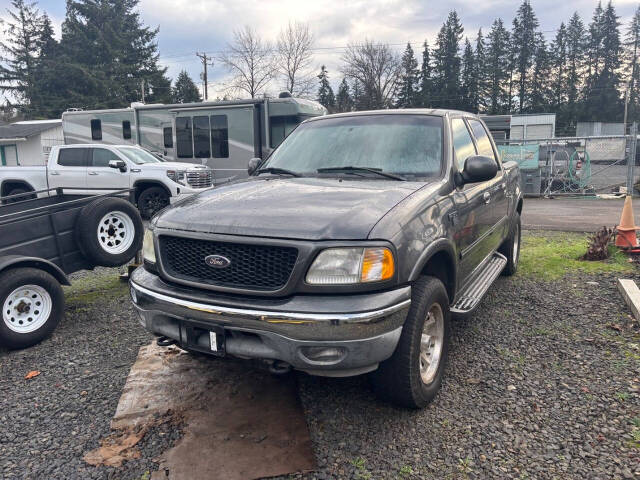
pixel 106 58
pixel 581 75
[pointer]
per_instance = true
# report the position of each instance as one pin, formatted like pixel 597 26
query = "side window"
pixel 167 133
pixel 220 136
pixel 201 140
pixel 462 143
pixel 482 139
pixel 96 129
pixel 183 137
pixel 72 157
pixel 126 129
pixel 100 157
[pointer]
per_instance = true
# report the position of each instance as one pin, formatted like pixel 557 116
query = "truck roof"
pixel 440 112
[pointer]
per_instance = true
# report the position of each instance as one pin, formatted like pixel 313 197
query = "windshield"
pixel 138 156
pixel 407 145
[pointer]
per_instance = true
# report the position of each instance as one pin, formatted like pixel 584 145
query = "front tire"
pixel 511 247
pixel 413 375
pixel 151 201
pixel 32 304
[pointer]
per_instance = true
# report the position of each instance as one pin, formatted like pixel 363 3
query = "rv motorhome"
pixel 224 135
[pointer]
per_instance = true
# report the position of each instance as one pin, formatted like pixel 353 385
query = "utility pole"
pixel 204 58
pixel 142 89
pixel 626 108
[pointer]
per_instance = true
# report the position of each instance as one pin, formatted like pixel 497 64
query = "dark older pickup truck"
pixel 345 252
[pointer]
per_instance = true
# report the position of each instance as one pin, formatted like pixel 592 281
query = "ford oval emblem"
pixel 217 261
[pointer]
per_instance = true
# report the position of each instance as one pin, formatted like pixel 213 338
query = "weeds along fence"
pixel 575 165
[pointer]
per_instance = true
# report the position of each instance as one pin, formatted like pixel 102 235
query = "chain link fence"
pixel 575 165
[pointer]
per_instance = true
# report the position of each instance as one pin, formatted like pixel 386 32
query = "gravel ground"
pixel 543 382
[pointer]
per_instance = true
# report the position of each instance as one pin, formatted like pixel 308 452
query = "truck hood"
pixel 296 208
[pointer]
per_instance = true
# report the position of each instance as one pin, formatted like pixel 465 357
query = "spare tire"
pixel 109 231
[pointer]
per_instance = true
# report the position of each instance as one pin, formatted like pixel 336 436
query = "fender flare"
pixel 17 261
pixel 155 183
pixel 16 180
pixel 437 246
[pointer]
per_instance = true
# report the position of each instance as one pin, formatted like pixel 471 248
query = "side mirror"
pixel 119 164
pixel 478 168
pixel 253 165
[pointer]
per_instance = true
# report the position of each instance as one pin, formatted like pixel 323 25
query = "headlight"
pixel 176 175
pixel 339 266
pixel 148 250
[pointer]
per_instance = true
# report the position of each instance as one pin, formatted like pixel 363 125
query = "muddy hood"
pixel 297 208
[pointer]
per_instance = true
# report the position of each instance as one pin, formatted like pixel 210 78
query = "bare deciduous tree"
pixel 250 60
pixel 377 68
pixel 294 56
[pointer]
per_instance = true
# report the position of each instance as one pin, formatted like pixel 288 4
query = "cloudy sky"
pixel 187 26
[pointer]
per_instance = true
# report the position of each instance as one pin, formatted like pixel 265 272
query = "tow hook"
pixel 165 341
pixel 278 367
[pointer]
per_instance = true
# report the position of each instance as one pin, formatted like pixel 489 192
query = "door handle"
pixel 54 173
pixel 487 197
pixel 92 173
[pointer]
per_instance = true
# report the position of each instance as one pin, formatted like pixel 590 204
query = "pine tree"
pixel 359 100
pixel 576 44
pixel 185 90
pixel 541 89
pixel 20 51
pixel 481 73
pixel 344 102
pixel 632 52
pixel 109 53
pixel 47 101
pixel 325 92
pixel 602 100
pixel 409 79
pixel 559 62
pixel 496 67
pixel 524 43
pixel 469 85
pixel 447 63
pixel 426 81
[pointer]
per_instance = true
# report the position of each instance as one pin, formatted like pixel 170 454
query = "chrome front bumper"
pixel 279 329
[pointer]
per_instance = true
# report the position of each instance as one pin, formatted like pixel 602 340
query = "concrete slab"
pixel 631 294
pixel 239 422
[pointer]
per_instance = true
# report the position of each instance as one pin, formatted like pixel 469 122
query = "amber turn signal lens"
pixel 377 264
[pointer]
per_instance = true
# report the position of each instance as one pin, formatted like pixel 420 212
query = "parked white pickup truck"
pixel 96 169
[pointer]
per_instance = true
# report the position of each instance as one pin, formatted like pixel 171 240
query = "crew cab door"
pixel 493 218
pixel 100 175
pixel 69 169
pixel 470 204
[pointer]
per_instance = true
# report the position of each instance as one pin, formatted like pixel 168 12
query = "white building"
pixel 533 126
pixel 29 142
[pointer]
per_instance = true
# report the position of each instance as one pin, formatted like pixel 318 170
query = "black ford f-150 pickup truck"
pixel 345 252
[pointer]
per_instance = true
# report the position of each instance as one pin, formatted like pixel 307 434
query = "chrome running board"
pixel 477 286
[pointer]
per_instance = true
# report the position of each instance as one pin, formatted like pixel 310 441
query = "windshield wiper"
pixel 377 171
pixel 276 170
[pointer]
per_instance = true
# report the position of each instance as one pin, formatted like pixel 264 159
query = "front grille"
pixel 253 267
pixel 199 178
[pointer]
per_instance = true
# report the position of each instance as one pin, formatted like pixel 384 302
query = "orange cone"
pixel 626 237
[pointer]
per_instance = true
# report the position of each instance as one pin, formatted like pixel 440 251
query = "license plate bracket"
pixel 204 338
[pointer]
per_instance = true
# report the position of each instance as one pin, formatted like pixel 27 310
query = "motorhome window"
pixel 183 137
pixel 126 130
pixel 167 132
pixel 281 127
pixel 72 157
pixel 201 140
pixel 96 129
pixel 100 157
pixel 220 136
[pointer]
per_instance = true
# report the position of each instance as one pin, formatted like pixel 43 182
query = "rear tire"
pixel 16 191
pixel 511 247
pixel 32 305
pixel 109 231
pixel 151 201
pixel 406 379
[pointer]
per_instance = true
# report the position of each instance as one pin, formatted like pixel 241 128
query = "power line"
pixel 205 64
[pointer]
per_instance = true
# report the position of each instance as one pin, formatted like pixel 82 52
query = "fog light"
pixel 324 355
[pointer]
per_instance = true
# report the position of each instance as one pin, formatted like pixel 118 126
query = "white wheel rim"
pixel 116 232
pixel 27 308
pixel 431 343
